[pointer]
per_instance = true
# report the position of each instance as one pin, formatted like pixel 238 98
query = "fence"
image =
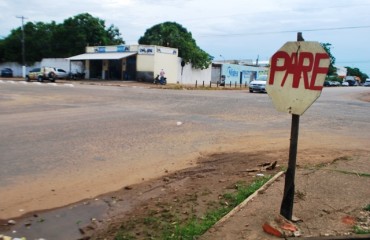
pixel 217 85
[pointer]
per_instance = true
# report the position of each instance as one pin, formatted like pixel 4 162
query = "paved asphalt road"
pixel 61 143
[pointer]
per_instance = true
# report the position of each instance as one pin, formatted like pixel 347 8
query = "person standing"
pixel 161 74
pixel 162 78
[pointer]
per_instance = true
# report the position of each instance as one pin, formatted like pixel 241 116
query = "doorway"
pixel 96 69
pixel 114 70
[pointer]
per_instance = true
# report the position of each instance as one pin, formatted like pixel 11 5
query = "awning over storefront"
pixel 102 56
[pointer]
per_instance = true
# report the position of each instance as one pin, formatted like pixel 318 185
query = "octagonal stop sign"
pixel 296 77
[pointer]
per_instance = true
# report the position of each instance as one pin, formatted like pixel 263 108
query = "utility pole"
pixel 23 48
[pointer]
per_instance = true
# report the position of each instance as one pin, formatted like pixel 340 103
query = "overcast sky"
pixel 232 29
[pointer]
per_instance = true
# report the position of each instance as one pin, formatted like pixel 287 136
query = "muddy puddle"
pixel 57 224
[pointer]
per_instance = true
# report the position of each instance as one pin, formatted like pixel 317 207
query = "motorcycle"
pixel 160 80
pixel 76 76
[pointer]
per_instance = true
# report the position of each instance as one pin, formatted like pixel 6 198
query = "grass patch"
pixel 353 173
pixel 283 168
pixel 367 208
pixel 197 226
pixel 360 230
pixel 326 164
pixel 170 225
pixel 174 86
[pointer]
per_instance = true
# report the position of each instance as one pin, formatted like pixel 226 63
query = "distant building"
pixel 341 71
pixel 144 63
pixel 129 62
pixel 236 73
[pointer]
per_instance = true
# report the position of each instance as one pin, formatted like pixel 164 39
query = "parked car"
pixel 61 74
pixel 258 85
pixel 331 83
pixel 367 83
pixel 7 72
pixel 335 83
pixel 41 74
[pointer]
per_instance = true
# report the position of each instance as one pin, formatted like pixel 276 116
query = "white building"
pixel 236 73
pixel 129 62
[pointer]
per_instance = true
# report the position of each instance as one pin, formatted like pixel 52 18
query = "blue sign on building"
pixel 232 72
pixel 101 49
pixel 240 74
pixel 121 48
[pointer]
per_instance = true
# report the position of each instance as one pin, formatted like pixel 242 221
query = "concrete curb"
pixel 245 202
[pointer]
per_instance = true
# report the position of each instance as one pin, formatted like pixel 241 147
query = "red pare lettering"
pixel 301 66
pixel 274 64
pixel 317 69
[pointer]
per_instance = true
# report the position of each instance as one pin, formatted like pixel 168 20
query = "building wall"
pixel 149 61
pixel 87 69
pixel 105 69
pixel 241 74
pixel 75 66
pixel 216 73
pixel 45 62
pixel 17 68
pixel 189 75
pixel 166 59
pixel 145 62
pixel 341 71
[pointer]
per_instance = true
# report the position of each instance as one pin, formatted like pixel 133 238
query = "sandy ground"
pixel 325 198
pixel 325 195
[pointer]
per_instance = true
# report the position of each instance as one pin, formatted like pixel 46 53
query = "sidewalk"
pixel 324 199
pixel 91 82
pixel 126 83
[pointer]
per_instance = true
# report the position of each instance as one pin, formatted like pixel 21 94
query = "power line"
pixel 278 11
pixel 279 32
pixel 355 61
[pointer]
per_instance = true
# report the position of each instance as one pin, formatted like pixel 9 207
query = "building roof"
pixel 102 56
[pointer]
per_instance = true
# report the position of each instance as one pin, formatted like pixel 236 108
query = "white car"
pixel 61 74
pixel 367 83
pixel 258 85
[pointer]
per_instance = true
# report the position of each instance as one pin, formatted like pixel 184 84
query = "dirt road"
pixel 219 136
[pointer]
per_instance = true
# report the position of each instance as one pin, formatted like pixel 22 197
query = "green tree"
pixel 356 72
pixel 332 69
pixel 350 71
pixel 172 34
pixel 51 40
pixel 10 47
pixel 36 47
pixel 84 30
pixel 38 40
pixel 2 50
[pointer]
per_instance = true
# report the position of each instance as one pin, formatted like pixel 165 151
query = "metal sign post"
pixel 286 208
pixel 296 78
